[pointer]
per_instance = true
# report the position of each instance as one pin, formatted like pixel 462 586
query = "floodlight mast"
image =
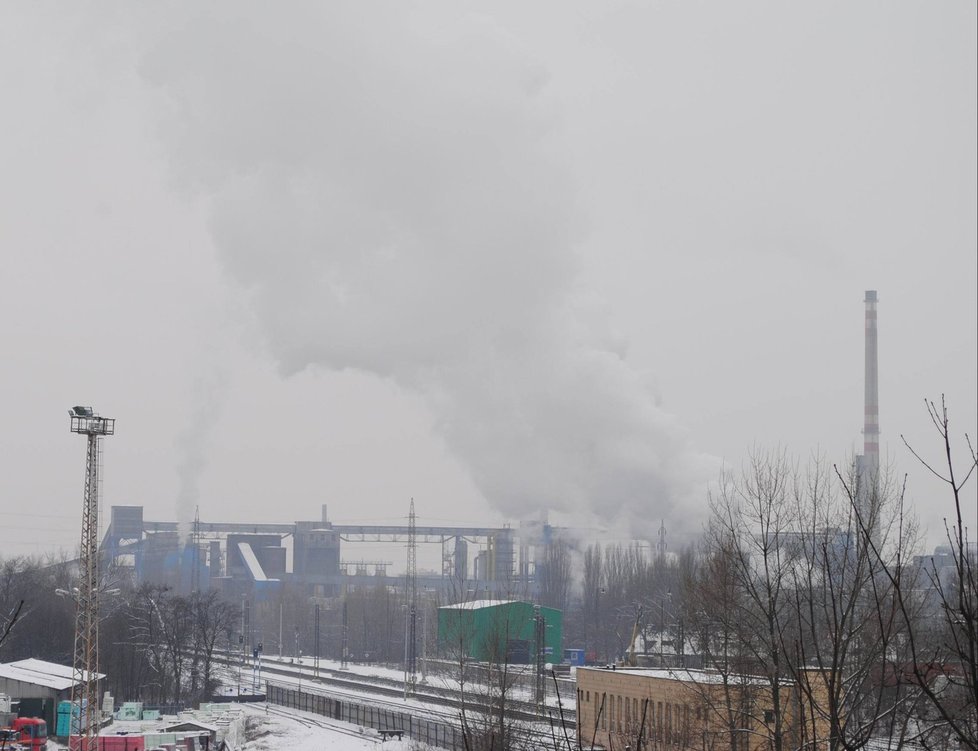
pixel 84 689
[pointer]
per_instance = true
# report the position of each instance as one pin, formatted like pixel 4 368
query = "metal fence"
pixel 432 732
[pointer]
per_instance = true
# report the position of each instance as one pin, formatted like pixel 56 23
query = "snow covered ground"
pixel 272 730
pixel 269 728
pixel 232 676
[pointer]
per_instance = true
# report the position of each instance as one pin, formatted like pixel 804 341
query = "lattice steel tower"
pixel 84 690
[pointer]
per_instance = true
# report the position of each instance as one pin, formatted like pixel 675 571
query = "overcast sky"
pixel 504 258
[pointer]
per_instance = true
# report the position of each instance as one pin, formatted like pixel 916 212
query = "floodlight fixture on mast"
pixel 84 690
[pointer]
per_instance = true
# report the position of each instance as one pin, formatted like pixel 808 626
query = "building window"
pixel 768 716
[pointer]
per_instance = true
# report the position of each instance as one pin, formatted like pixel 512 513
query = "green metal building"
pixel 499 631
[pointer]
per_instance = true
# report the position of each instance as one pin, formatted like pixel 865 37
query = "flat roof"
pixel 41 673
pixel 477 604
pixel 687 675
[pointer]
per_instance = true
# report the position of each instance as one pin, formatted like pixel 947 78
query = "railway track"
pixel 311 722
pixel 351 686
pixel 439 728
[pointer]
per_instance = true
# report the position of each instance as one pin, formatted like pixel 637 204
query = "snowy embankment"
pixel 273 729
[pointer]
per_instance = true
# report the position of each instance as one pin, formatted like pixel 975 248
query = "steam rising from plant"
pixel 192 448
pixel 387 188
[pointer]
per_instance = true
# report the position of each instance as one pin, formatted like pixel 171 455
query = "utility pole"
pixel 316 663
pixel 424 642
pixel 539 632
pixel 662 627
pixel 241 643
pixel 84 688
pixel 411 650
pixel 346 631
pixel 195 554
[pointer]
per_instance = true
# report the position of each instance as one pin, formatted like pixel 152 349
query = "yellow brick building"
pixel 695 709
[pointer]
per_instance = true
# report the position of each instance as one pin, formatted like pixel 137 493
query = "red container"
pixel 113 743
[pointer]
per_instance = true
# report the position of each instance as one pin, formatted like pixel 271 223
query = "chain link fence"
pixel 432 732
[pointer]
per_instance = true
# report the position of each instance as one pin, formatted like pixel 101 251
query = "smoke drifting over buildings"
pixel 191 448
pixel 403 214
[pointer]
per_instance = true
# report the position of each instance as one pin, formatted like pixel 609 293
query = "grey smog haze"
pixel 505 258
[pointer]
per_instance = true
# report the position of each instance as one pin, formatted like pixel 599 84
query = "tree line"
pixel 806 579
pixel 155 646
pixel 808 582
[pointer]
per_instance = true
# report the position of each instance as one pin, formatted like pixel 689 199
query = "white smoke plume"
pixel 386 185
pixel 191 447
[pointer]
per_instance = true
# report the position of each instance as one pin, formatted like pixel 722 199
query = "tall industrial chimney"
pixel 871 424
pixel 868 464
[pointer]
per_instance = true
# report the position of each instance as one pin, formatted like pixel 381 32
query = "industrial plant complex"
pixel 310 557
pixel 661 684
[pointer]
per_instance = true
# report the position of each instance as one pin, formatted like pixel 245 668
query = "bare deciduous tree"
pixel 942 660
pixel 846 644
pixel 751 523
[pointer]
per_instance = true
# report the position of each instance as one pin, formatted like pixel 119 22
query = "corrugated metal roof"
pixel 41 673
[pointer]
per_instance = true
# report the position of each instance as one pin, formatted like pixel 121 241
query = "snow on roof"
pixel 41 673
pixel 687 675
pixel 476 604
pixel 184 723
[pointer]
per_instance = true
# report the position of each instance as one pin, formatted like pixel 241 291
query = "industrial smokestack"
pixel 868 464
pixel 871 424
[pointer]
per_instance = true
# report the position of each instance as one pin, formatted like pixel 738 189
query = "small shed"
pixel 39 686
pixel 500 631
pixel 194 728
